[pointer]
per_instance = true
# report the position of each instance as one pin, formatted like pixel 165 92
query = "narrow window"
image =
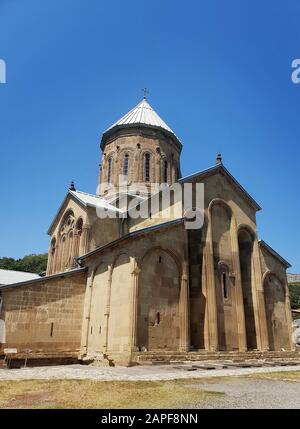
pixel 225 285
pixel 91 330
pixel 51 329
pixel 159 260
pixel 126 161
pixel 177 173
pixel 158 318
pixel 100 329
pixel 109 171
pixel 147 167
pixel 166 172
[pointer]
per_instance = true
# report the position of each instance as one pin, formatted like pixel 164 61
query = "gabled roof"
pixel 141 115
pixel 219 168
pixel 273 252
pixel 85 200
pixel 11 276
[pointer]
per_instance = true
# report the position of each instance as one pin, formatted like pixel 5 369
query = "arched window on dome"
pixel 126 163
pixel 109 162
pixel 147 167
pixel 166 172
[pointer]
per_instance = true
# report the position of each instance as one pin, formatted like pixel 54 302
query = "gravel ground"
pixel 247 394
pixel 137 373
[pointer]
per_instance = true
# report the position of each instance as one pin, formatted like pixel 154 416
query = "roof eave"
pixel 215 169
pixel 69 193
pixel 274 253
pixel 132 234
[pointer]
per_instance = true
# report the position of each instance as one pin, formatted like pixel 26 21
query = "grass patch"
pixel 282 375
pixel 102 394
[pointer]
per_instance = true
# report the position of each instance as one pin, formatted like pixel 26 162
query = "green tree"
pixel 294 289
pixel 29 263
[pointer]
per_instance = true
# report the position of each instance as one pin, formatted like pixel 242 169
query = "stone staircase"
pixel 167 357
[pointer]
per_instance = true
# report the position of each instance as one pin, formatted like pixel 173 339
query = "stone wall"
pixel 45 316
pixel 136 143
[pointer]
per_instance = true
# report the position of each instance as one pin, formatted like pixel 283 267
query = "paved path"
pixel 246 394
pixel 137 373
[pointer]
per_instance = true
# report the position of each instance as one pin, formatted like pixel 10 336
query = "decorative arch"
pixel 67 243
pixel 246 238
pixel 52 255
pixel 269 274
pixel 159 291
pixel 97 326
pixel 168 250
pixel 118 325
pixel 221 202
pixel 275 296
pixel 248 229
pixel 221 233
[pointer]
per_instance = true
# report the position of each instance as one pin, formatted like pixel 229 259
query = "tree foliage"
pixel 29 263
pixel 295 295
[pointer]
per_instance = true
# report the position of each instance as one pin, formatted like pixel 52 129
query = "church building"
pixel 120 287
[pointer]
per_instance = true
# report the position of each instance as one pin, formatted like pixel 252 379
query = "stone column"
pixel 107 312
pixel 238 290
pixel 86 315
pixel 184 310
pixel 84 242
pixel 211 301
pixel 258 297
pixel 288 313
pixel 133 339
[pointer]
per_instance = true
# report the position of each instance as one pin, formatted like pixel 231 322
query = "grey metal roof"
pixel 42 279
pixel 10 276
pixel 86 200
pixel 141 115
pixel 90 200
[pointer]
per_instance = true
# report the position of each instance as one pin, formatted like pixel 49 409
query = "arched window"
pixel 166 172
pixel 126 162
pixel 109 170
pixel 78 233
pixel 147 167
pixel 53 246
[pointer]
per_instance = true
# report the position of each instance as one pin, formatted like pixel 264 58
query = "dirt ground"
pixel 264 390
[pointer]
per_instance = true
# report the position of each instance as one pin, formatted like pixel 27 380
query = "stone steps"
pixel 158 358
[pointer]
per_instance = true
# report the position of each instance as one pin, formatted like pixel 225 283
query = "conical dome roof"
pixel 141 115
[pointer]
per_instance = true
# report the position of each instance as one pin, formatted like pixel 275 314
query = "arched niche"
pixel 120 305
pixel 278 332
pixel 246 241
pixel 158 301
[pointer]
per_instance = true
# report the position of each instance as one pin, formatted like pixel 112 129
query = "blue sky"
pixel 219 73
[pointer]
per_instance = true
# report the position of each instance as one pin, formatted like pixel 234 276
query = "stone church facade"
pixel 118 287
